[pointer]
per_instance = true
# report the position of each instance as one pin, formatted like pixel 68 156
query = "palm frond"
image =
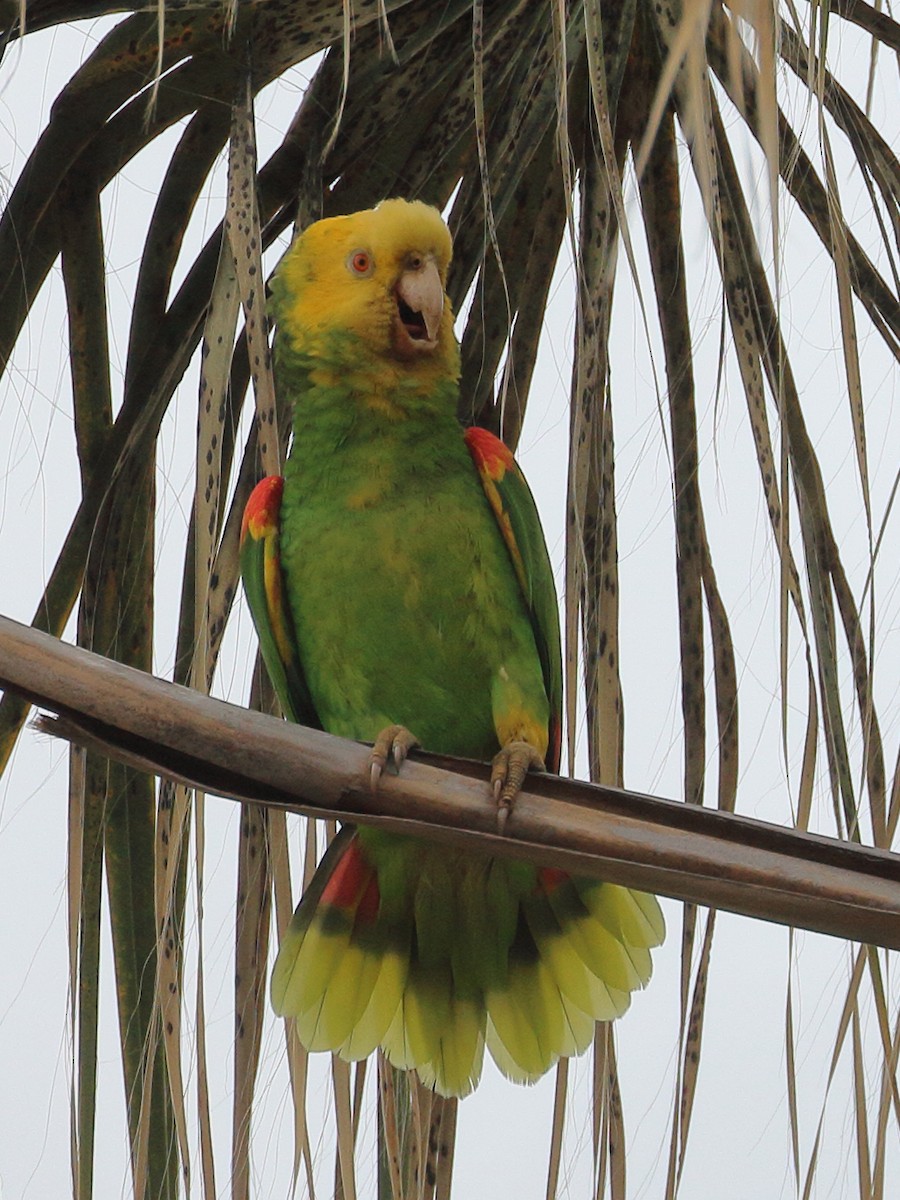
pixel 538 125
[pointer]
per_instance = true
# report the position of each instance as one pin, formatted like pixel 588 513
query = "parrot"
pixel 402 593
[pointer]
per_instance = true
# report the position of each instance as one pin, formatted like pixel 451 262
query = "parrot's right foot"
pixel 392 745
pixel 508 771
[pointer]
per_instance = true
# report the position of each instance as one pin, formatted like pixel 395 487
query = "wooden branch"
pixel 663 846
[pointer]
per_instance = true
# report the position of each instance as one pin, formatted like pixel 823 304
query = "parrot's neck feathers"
pixel 362 388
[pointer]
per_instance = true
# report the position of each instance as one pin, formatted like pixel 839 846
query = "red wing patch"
pixel 492 460
pixel 369 903
pixel 550 878
pixel 353 883
pixel 491 456
pixel 263 507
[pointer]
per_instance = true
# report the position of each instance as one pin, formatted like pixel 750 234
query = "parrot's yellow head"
pixel 379 276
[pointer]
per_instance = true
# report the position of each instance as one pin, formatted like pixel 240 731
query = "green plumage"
pixel 402 595
pixel 417 592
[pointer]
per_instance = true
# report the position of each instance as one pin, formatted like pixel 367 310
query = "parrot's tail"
pixel 432 955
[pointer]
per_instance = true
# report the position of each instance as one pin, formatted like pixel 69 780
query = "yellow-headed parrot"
pixel 399 580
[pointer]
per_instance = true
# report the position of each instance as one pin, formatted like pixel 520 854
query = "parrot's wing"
pixel 264 585
pixel 513 505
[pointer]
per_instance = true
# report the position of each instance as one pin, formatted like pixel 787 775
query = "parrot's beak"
pixel 420 306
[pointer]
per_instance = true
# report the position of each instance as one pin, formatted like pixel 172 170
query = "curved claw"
pixel 392 745
pixel 508 771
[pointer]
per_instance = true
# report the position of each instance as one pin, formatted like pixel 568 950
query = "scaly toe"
pixel 392 745
pixel 508 772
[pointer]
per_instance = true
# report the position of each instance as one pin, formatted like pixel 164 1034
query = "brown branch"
pixel 679 850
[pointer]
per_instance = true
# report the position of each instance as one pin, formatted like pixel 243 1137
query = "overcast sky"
pixel 739 1145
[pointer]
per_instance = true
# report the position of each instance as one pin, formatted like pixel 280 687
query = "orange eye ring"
pixel 360 262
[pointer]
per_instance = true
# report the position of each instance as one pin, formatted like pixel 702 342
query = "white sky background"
pixel 739 1146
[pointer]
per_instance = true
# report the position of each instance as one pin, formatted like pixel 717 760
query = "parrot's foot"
pixel 392 745
pixel 508 771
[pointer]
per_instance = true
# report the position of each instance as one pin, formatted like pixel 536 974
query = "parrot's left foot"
pixel 508 771
pixel 392 745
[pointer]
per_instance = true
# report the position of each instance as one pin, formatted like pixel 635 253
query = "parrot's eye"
pixel 360 262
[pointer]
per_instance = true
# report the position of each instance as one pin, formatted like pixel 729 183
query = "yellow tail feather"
pixel 306 961
pixel 395 1043
pixel 426 1005
pixel 652 917
pixel 602 954
pixel 371 1028
pixel 457 1067
pixel 343 1001
pixel 577 982
pixel 578 1029
pixel 636 925
pixel 534 978
pixel 527 1015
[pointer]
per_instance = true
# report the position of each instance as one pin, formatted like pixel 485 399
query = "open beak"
pixel 420 305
